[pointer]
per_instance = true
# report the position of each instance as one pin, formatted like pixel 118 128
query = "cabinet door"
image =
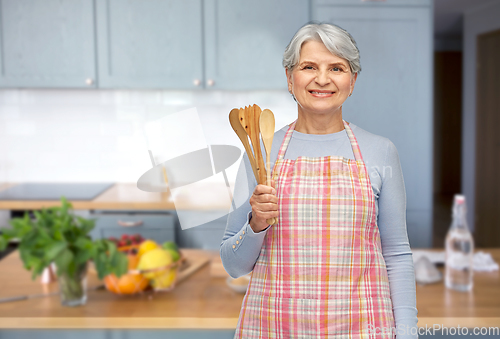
pixel 245 41
pixel 47 43
pixel 393 93
pixel 207 236
pixel 158 227
pixel 150 43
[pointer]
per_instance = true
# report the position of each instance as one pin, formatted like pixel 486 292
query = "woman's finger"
pixel 264 189
pixel 266 198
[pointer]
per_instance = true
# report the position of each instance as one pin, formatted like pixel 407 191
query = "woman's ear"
pixel 289 80
pixel 353 81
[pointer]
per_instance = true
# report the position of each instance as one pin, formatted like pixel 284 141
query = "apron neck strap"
pixel 354 142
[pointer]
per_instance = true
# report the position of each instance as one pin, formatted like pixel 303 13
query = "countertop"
pixel 200 301
pixel 126 196
pixel 205 302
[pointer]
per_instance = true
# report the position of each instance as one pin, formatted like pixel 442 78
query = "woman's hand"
pixel 264 204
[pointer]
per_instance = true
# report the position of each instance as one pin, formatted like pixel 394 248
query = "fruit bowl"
pixel 138 280
pixel 131 282
pixel 162 278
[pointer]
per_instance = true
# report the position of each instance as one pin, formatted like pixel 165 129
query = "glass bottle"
pixel 459 247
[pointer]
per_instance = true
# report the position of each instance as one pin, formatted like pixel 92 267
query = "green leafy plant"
pixel 56 235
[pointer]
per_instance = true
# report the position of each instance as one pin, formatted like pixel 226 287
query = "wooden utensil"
pixel 249 121
pixel 266 123
pixel 260 159
pixel 234 120
pixel 251 118
pixel 245 121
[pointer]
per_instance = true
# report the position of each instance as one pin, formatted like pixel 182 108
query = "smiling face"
pixel 321 81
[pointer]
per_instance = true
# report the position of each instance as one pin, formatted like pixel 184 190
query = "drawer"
pixel 207 236
pixel 159 227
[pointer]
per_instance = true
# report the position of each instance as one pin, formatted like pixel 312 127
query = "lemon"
pixel 166 280
pixel 154 259
pixel 146 246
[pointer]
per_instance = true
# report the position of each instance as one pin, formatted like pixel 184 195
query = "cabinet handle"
pixel 210 82
pixel 197 82
pixel 89 81
pixel 130 223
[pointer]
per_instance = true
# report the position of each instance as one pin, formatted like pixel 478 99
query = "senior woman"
pixel 338 263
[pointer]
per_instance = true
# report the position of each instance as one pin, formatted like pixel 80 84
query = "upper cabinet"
pixel 245 41
pixel 168 44
pixel 220 44
pixel 47 43
pixel 150 43
pixel 393 93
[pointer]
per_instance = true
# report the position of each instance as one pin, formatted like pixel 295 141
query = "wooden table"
pixel 201 302
pixel 479 307
pixel 205 302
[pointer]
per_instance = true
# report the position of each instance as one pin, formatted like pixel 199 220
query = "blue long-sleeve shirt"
pixel 241 246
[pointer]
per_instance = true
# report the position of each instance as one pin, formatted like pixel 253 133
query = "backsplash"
pixel 98 135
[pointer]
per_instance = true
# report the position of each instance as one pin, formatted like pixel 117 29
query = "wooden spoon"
pixel 234 120
pixel 267 124
pixel 252 115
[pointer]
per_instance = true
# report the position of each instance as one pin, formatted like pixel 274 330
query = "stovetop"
pixel 54 191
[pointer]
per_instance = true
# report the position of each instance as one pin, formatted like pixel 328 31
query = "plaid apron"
pixel 320 272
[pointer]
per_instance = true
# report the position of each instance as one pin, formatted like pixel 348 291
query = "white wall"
pixel 97 135
pixel 478 21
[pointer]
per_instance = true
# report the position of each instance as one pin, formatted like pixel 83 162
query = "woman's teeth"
pixel 321 93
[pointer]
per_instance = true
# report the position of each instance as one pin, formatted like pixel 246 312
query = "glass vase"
pixel 73 288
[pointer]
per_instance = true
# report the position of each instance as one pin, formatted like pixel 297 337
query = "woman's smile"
pixel 321 94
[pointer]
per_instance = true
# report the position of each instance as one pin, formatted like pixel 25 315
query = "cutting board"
pixel 192 264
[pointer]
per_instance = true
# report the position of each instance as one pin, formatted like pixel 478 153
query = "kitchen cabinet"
pixel 150 44
pixel 168 44
pixel 393 92
pixel 245 41
pixel 219 44
pixel 47 43
pixel 158 226
pixel 207 236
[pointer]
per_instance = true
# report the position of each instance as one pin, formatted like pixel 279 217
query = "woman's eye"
pixel 336 69
pixel 308 67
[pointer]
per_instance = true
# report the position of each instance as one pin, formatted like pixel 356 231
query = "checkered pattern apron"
pixel 320 272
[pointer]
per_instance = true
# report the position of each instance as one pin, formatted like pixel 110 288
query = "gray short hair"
pixel 336 39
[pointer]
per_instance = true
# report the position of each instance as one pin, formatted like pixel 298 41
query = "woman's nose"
pixel 322 78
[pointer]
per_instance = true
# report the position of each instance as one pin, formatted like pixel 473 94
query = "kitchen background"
pixel 81 78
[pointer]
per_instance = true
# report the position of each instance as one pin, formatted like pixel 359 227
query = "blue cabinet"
pixel 167 44
pixel 47 43
pixel 157 226
pixel 208 235
pixel 220 44
pixel 150 43
pixel 393 92
pixel 245 41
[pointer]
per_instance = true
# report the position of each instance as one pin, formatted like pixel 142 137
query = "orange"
pixel 128 283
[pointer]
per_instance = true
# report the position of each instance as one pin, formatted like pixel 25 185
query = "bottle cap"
pixel 459 199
